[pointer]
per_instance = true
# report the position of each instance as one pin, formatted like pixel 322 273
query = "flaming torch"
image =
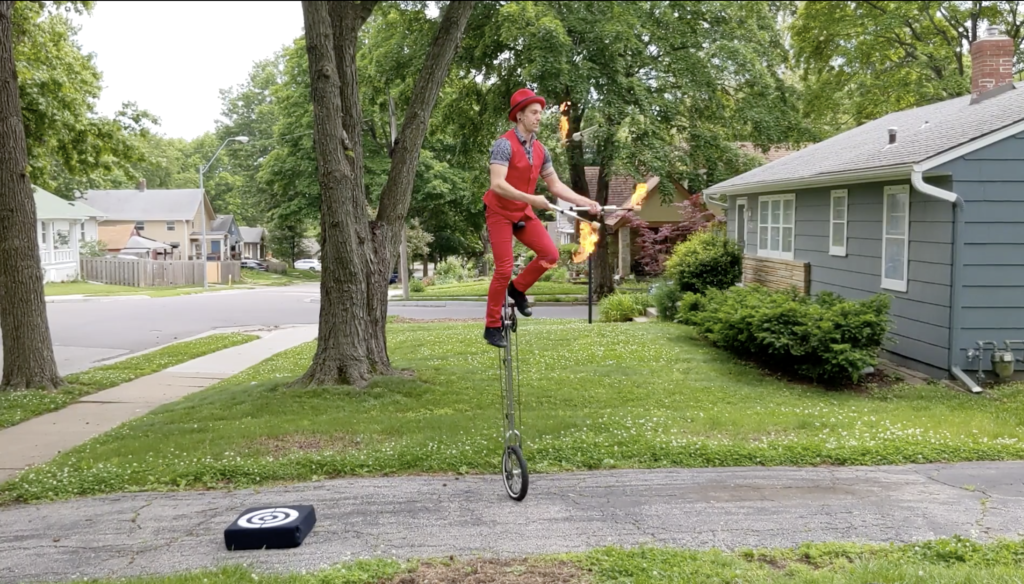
pixel 588 241
pixel 563 121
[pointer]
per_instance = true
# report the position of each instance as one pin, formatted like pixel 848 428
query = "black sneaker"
pixel 493 336
pixel 520 299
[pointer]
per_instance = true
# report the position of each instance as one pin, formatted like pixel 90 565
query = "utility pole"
pixel 403 251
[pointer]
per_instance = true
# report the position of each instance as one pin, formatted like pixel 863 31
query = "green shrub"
pixel 560 275
pixel 623 306
pixel 416 285
pixel 665 297
pixel 825 337
pixel 705 261
pixel 451 271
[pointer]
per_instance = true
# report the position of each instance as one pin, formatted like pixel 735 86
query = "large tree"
pixel 863 60
pixel 662 88
pixel 28 350
pixel 358 252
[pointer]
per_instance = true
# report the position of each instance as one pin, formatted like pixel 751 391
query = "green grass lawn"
pixel 18 406
pixel 292 276
pixel 480 287
pixel 950 561
pixel 76 288
pixel 629 395
pixel 90 289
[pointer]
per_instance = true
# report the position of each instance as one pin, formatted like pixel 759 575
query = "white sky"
pixel 172 58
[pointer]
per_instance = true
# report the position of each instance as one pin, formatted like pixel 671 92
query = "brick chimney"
pixel 991 63
pixel 142 185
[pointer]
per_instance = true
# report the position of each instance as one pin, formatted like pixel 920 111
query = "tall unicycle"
pixel 513 465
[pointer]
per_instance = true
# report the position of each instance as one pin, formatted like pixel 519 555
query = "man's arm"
pixel 559 189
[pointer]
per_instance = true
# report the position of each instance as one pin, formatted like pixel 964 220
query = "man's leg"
pixel 499 230
pixel 535 237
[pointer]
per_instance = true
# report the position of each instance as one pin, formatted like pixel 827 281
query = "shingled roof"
pixel 921 134
pixel 148 205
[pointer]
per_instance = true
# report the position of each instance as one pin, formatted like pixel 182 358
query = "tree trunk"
pixel 341 354
pixel 357 254
pixel 486 240
pixel 602 266
pixel 28 349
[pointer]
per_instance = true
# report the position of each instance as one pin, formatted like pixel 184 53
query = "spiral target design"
pixel 268 517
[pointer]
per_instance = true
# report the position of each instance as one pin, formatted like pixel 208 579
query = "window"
pixel 170 226
pixel 837 224
pixel 775 226
pixel 741 223
pixel 81 231
pixel 895 243
pixel 140 225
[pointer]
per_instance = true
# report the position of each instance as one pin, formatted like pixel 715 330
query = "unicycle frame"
pixel 512 455
pixel 510 375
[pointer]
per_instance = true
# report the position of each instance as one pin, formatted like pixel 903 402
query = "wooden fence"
pixel 152 273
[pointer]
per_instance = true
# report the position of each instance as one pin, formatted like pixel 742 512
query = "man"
pixel 518 159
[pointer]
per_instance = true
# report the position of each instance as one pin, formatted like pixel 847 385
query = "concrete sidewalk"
pixel 408 517
pixel 38 440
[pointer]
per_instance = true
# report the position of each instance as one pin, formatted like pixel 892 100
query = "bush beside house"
pixel 824 337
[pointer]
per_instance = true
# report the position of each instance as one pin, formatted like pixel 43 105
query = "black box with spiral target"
pixel 258 528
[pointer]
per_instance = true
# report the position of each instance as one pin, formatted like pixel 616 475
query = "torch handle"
pixel 569 213
pixel 604 208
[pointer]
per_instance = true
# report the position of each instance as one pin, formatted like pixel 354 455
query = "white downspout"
pixel 917 179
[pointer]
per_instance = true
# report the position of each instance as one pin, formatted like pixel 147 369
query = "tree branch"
pixel 346 20
pixel 395 198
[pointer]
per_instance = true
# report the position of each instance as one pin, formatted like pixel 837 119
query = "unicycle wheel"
pixel 513 470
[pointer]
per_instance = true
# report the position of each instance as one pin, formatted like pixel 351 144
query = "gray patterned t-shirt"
pixel 501 152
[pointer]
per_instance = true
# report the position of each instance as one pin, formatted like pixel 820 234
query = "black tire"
pixel 507 474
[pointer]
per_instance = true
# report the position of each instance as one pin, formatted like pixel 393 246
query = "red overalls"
pixel 501 214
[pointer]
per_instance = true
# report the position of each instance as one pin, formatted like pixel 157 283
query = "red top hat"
pixel 521 99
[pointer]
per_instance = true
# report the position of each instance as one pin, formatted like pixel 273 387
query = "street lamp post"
pixel 202 199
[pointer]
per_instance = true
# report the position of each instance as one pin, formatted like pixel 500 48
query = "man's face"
pixel 531 117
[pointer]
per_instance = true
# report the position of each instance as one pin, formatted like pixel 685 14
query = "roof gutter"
pixel 848 177
pixel 917 180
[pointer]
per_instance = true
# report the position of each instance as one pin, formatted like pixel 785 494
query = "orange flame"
pixel 563 123
pixel 641 192
pixel 588 240
pixel 638 196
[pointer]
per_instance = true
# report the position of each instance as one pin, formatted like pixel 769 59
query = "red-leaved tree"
pixel 656 245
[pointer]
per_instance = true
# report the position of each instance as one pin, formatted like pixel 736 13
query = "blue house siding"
pixel 991 296
pixel 921 315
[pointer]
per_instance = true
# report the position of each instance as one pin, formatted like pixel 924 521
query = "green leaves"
pixel 862 60
pixel 69 146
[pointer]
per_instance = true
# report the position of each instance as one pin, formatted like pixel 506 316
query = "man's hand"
pixel 539 202
pixel 595 209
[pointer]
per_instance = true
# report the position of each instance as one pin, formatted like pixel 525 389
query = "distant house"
pixel 171 216
pixel 925 205
pixel 225 236
pixel 254 243
pixel 125 240
pixel 62 227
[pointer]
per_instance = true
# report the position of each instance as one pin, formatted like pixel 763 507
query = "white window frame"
pixel 888 284
pixel 844 194
pixel 741 202
pixel 766 251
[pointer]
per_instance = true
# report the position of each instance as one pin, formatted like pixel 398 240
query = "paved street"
pixel 87 331
pixel 143 533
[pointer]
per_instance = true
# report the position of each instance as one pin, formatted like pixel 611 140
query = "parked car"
pixel 394 277
pixel 254 265
pixel 311 265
